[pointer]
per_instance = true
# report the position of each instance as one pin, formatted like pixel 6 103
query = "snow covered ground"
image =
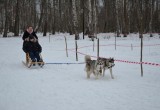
pixel 65 87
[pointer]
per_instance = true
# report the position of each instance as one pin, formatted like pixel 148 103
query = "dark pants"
pixel 34 56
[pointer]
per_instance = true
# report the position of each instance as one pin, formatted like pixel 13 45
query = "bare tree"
pixel 126 25
pixel 7 14
pixel 89 16
pixel 16 26
pixel 1 16
pixel 95 17
pixel 117 18
pixel 42 12
pixel 150 22
pixel 45 18
pixel 75 24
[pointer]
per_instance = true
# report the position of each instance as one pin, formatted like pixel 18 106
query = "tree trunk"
pixel 16 27
pixel 117 19
pixel 45 19
pixel 106 15
pixel 83 18
pixel 6 18
pixel 125 19
pixel 54 17
pixel 41 15
pixel 74 12
pixel 150 22
pixel 45 28
pixel 90 17
pixel 95 17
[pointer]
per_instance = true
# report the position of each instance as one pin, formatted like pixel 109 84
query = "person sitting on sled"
pixel 33 48
pixel 29 32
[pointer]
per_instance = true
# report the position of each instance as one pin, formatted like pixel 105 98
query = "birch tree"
pixel 1 16
pixel 16 26
pixel 42 11
pixel 95 17
pixel 120 16
pixel 74 12
pixel 151 18
pixel 117 18
pixel 89 17
pixel 126 27
pixel 7 14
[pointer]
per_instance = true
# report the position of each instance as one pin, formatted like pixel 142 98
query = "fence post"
pixel 66 46
pixel 115 41
pixel 49 37
pixel 131 47
pixel 76 50
pixel 93 45
pixel 141 36
pixel 98 48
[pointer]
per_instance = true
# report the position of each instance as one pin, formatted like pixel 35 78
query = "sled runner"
pixel 29 63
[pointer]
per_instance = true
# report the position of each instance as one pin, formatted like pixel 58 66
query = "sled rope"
pixel 64 63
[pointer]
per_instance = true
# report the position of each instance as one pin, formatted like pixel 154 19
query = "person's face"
pixel 30 29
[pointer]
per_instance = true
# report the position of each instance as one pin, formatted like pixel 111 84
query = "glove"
pixel 27 39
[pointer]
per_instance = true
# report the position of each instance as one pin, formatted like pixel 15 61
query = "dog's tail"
pixel 87 58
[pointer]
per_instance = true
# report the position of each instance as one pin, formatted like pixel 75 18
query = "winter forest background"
pixel 75 16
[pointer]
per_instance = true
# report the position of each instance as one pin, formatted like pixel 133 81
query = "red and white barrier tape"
pixel 125 61
pixel 116 45
pixel 146 63
pixel 111 45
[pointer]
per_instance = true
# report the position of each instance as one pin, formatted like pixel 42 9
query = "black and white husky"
pixel 108 63
pixel 98 66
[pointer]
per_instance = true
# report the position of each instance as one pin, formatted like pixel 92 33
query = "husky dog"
pixel 93 66
pixel 108 63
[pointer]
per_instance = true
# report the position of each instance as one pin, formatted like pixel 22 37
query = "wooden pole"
pixel 76 50
pixel 93 45
pixel 49 37
pixel 115 42
pixel 98 48
pixel 141 36
pixel 66 46
pixel 131 47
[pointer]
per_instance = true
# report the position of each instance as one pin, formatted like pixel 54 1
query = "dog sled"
pixel 29 63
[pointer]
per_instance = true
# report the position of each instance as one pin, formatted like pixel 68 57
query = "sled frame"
pixel 29 62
